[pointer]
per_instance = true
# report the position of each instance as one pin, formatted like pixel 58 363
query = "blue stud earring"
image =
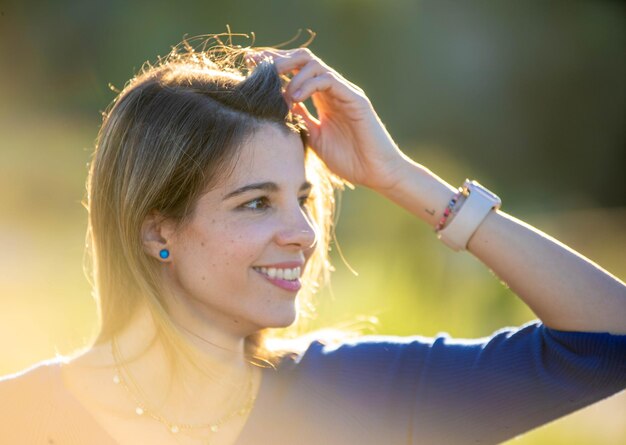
pixel 164 253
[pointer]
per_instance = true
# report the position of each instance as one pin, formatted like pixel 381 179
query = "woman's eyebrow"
pixel 265 186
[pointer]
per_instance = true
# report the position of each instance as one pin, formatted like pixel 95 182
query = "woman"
pixel 209 222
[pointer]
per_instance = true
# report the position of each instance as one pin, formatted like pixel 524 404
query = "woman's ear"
pixel 157 234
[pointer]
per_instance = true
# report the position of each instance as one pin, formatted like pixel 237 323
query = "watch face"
pixel 488 193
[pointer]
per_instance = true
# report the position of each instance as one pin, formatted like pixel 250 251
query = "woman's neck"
pixel 189 396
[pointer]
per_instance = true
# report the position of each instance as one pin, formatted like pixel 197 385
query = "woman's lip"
pixel 290 285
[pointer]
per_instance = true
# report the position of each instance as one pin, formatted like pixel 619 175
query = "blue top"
pixel 381 389
pixel 376 389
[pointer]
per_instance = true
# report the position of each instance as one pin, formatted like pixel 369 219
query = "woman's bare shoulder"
pixel 26 397
pixel 30 381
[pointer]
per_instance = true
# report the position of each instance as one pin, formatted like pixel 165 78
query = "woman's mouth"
pixel 288 279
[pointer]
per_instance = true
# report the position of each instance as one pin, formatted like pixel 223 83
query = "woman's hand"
pixel 347 135
pixel 566 290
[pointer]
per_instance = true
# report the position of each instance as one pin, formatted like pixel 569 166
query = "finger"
pixel 253 58
pixel 312 124
pixel 325 82
pixel 312 69
pixel 289 60
pixel 303 111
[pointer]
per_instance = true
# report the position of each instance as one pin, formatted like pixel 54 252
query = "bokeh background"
pixel 527 97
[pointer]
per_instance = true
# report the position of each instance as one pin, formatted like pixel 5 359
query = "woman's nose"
pixel 297 229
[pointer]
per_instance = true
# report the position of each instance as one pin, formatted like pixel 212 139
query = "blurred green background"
pixel 527 97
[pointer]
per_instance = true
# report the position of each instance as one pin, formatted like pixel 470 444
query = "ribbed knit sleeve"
pixel 490 390
pixel 419 390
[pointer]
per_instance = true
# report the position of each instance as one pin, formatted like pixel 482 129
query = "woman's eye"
pixel 257 204
pixel 305 200
pixel 263 203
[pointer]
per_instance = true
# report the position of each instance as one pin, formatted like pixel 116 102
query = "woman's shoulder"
pixel 27 399
pixel 30 384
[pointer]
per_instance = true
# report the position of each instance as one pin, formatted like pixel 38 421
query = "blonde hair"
pixel 173 132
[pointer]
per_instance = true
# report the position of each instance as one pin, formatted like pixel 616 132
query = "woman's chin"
pixel 282 320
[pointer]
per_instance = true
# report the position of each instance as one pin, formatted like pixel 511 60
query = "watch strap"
pixel 478 203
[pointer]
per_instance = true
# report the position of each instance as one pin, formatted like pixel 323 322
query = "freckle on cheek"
pixel 202 244
pixel 203 278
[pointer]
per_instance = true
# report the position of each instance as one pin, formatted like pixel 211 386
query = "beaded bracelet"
pixel 449 208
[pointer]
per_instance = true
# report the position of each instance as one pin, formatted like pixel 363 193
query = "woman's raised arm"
pixel 565 290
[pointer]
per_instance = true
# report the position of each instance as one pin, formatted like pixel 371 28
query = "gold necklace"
pixel 141 408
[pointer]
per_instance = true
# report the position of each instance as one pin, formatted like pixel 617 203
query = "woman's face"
pixel 237 262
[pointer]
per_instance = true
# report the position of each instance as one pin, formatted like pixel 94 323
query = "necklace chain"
pixel 175 427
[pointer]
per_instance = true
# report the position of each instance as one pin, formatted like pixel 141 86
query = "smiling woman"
pixel 208 215
pixel 211 198
pixel 178 153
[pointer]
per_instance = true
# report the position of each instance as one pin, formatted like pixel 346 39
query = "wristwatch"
pixel 478 203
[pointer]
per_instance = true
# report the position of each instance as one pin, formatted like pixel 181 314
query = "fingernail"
pixel 297 94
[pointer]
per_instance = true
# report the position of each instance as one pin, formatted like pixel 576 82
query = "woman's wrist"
pixel 421 192
pixel 455 210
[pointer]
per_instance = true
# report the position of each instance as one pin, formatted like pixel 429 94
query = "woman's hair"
pixel 174 132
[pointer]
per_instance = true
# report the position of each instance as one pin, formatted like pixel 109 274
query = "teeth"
pixel 281 274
